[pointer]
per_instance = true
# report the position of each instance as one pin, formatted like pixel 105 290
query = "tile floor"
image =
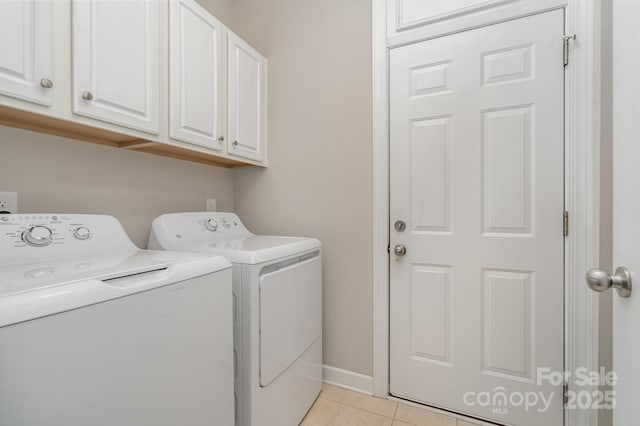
pixel 341 407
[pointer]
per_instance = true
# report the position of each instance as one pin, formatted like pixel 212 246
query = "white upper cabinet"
pixel 26 55
pixel 195 65
pixel 246 100
pixel 116 62
pixel 156 76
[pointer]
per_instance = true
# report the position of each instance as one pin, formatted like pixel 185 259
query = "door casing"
pixel 582 187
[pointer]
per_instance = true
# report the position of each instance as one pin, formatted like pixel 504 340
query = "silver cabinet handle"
pixel 235 143
pixel 600 281
pixel 400 250
pixel 46 83
pixel 87 96
pixel 221 139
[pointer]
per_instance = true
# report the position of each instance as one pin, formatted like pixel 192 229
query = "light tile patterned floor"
pixel 341 407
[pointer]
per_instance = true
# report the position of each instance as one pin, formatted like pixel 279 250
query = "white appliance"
pixel 277 286
pixel 94 331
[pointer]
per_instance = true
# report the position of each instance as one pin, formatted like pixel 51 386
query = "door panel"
pixel 290 316
pixel 26 55
pixel 116 62
pixel 626 207
pixel 477 174
pixel 246 101
pixel 195 65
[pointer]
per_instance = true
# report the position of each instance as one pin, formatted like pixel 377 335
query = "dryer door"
pixel 290 314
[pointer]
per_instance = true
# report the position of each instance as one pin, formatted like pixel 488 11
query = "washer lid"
pixel 252 249
pixel 30 290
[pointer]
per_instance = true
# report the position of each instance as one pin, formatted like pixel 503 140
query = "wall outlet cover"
pixel 8 202
pixel 211 204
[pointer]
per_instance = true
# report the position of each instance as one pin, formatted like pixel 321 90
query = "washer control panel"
pixel 46 235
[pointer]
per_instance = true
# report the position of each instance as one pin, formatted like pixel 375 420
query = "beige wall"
pixel 320 180
pixel 59 175
pixel 223 10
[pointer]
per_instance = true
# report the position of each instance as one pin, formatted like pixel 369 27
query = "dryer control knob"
pixel 82 233
pixel 38 236
pixel 211 225
pixel 226 223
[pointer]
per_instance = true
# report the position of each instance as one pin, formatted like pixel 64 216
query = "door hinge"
pixel 565 223
pixel 565 48
pixel 565 393
pixel 388 248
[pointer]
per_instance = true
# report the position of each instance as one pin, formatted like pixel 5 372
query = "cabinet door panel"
pixel 26 50
pixel 246 100
pixel 194 75
pixel 116 62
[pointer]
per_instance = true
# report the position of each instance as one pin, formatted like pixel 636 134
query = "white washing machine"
pixel 94 331
pixel 277 286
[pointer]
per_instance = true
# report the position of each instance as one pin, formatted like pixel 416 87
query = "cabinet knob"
pixel 235 143
pixel 221 139
pixel 46 83
pixel 87 96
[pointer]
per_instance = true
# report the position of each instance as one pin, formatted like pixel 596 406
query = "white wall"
pixel 320 180
pixel 58 175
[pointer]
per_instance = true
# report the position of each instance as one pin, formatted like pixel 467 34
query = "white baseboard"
pixel 348 379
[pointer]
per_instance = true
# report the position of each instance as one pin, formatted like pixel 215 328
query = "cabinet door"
pixel 246 100
pixel 116 62
pixel 194 75
pixel 26 56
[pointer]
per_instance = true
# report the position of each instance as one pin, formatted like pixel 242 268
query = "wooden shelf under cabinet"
pixel 53 126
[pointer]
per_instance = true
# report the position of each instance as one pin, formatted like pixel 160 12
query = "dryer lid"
pixel 251 250
pixel 223 234
pixel 259 248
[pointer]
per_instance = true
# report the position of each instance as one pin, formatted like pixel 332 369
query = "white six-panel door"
pixel 246 93
pixel 116 62
pixel 476 171
pixel 195 58
pixel 26 55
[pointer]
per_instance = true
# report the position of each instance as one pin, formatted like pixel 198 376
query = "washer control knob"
pixel 82 233
pixel 38 236
pixel 211 225
pixel 226 223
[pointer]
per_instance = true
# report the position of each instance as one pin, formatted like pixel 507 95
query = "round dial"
pixel 82 233
pixel 38 236
pixel 211 225
pixel 226 223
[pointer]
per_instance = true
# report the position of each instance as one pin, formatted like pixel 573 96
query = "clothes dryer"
pixel 277 287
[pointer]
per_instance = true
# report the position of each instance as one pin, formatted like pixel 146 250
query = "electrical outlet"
pixel 8 202
pixel 211 204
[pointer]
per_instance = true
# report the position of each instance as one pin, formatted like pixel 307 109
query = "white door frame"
pixel 582 177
